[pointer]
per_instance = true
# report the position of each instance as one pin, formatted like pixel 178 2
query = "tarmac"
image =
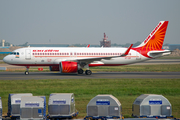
pixel 107 75
pixel 7 75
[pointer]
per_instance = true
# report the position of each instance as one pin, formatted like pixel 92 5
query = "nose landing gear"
pixel 27 70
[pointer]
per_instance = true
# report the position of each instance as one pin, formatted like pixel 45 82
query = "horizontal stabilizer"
pixel 155 54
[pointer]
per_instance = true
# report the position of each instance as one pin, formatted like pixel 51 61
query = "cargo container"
pixel 14 101
pixel 61 105
pixel 104 107
pixel 0 109
pixel 33 107
pixel 151 105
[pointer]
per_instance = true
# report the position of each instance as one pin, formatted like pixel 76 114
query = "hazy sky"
pixel 85 21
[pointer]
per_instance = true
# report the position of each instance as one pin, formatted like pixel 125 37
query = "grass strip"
pixel 125 90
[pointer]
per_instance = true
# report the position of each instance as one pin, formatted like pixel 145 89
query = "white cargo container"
pixel 104 106
pixel 151 105
pixel 14 101
pixel 33 107
pixel 61 105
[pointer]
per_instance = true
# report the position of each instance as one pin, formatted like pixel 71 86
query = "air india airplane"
pixel 74 59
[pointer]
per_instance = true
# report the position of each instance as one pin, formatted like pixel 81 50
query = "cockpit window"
pixel 14 53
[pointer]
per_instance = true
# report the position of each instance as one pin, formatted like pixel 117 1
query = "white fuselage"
pixel 49 56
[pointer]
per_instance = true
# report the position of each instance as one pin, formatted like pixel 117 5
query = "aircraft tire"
pixel 80 71
pixel 26 73
pixel 88 72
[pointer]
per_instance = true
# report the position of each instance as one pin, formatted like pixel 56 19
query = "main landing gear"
pixel 27 70
pixel 80 71
pixel 87 72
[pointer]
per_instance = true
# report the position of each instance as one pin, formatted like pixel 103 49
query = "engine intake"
pixel 68 67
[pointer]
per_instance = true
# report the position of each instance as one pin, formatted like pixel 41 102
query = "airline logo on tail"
pixel 155 39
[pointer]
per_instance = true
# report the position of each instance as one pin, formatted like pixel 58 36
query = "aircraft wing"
pixel 89 60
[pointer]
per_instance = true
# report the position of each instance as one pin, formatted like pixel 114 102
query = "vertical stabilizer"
pixel 155 39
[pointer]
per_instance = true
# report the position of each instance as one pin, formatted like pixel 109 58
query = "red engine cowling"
pixel 54 68
pixel 68 67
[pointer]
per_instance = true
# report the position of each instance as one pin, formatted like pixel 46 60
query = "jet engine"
pixel 68 67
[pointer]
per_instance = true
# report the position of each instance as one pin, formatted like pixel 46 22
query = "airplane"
pixel 74 59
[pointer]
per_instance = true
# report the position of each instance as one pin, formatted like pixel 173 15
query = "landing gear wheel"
pixel 88 72
pixel 26 73
pixel 80 71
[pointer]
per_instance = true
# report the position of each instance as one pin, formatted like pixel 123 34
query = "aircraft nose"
pixel 6 59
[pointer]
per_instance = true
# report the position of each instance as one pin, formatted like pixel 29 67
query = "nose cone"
pixel 6 59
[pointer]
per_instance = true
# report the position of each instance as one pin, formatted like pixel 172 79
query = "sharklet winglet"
pixel 127 51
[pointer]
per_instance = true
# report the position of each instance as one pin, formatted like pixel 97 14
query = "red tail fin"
pixel 155 40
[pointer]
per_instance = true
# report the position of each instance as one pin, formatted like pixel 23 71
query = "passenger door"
pixel 27 54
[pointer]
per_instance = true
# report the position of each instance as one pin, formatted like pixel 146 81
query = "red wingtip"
pixel 127 51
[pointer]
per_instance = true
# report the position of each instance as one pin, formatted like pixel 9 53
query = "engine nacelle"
pixel 68 67
pixel 54 68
